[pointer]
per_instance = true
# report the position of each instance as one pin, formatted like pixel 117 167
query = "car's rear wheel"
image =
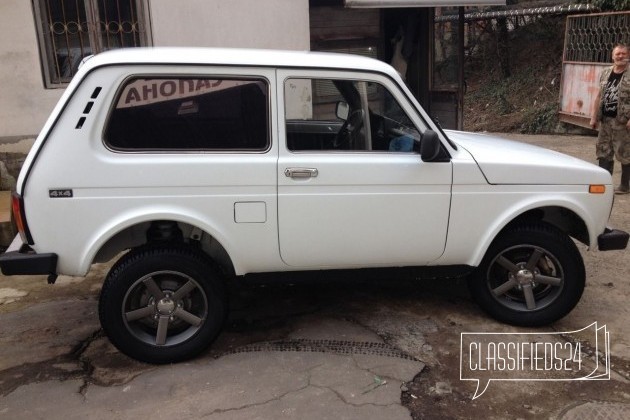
pixel 532 275
pixel 162 304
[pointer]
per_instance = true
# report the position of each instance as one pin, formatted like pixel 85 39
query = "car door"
pixel 361 201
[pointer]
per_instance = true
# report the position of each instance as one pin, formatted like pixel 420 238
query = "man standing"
pixel 612 113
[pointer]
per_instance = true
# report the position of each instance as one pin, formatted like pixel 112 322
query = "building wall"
pixel 277 24
pixel 25 103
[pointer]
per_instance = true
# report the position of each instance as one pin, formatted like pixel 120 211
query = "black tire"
pixel 162 304
pixel 531 275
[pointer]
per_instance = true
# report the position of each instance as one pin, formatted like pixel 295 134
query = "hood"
pixel 510 162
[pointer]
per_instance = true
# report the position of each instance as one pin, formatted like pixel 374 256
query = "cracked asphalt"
pixel 310 360
pixel 348 348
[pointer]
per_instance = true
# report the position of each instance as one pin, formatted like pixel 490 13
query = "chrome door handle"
pixel 301 172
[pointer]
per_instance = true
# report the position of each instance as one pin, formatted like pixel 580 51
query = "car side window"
pixel 190 114
pixel 345 115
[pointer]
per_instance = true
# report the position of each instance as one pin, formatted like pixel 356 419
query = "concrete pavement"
pixel 351 374
pixel 266 385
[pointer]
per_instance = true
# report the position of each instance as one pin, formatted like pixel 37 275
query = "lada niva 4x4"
pixel 202 165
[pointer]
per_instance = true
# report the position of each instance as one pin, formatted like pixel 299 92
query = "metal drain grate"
pixel 325 346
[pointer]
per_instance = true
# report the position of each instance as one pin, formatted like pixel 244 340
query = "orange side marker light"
pixel 597 189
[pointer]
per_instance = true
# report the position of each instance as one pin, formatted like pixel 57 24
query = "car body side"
pixel 116 197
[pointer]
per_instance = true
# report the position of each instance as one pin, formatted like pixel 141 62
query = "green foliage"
pixel 609 5
pixel 527 100
pixel 501 95
pixel 541 120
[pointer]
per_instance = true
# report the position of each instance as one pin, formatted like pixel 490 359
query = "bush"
pixel 541 120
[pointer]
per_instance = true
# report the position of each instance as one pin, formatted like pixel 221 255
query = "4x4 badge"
pixel 60 193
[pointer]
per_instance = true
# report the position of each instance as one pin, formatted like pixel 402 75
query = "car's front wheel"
pixel 532 275
pixel 162 304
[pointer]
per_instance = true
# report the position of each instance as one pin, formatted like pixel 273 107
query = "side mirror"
pixel 430 146
pixel 342 111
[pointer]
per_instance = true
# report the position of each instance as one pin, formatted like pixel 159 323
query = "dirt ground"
pixel 52 332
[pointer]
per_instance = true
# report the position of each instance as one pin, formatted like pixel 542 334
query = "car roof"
pixel 236 57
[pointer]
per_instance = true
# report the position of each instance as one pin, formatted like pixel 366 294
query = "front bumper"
pixel 20 259
pixel 612 239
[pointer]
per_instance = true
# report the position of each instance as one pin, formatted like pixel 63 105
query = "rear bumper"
pixel 612 239
pixel 20 259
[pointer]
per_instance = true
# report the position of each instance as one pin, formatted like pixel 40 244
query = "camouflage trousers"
pixel 613 141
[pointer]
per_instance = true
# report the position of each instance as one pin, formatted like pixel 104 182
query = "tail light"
pixel 17 205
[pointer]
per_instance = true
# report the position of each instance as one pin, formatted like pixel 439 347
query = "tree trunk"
pixel 503 49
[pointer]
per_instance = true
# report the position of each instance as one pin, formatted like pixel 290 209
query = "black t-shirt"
pixel 611 95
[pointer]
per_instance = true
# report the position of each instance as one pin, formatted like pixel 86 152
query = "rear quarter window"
pixel 190 114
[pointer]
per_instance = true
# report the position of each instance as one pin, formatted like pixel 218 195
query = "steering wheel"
pixel 350 128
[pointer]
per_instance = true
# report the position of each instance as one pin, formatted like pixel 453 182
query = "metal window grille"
pixel 70 30
pixel 591 38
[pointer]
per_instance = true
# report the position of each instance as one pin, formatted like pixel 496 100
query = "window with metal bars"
pixel 70 30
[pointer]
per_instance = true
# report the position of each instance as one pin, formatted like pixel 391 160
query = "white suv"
pixel 209 164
